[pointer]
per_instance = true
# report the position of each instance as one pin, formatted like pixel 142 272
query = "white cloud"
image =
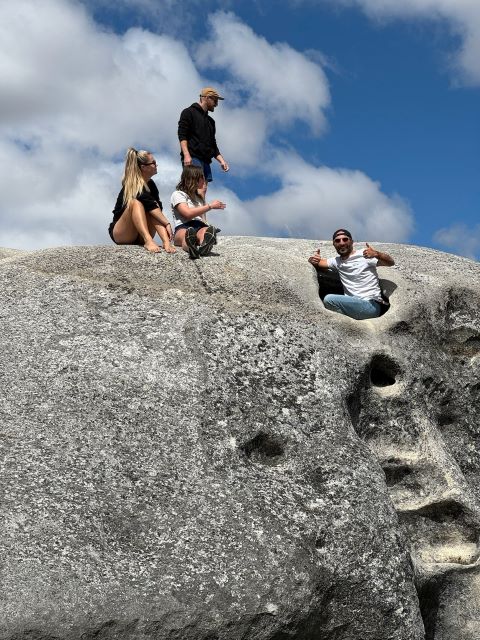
pixel 283 82
pixel 463 16
pixel 74 97
pixel 242 133
pixel 461 239
pixel 73 82
pixel 313 201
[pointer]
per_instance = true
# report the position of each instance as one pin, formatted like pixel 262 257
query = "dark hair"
pixel 189 180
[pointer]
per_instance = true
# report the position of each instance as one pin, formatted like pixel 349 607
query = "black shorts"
pixel 196 224
pixel 138 240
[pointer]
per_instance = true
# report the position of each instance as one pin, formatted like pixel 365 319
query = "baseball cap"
pixel 342 232
pixel 210 91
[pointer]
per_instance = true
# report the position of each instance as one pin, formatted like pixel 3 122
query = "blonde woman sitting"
pixel 138 211
pixel 192 232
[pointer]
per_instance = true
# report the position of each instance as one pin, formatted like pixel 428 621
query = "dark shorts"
pixel 138 240
pixel 196 224
pixel 207 169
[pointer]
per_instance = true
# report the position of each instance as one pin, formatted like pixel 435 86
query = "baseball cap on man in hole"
pixel 342 232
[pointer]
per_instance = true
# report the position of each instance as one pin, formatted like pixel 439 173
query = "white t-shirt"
pixel 177 198
pixel 358 275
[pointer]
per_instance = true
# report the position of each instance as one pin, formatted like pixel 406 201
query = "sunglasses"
pixel 340 240
pixel 147 164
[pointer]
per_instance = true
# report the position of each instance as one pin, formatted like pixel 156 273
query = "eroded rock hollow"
pixel 200 451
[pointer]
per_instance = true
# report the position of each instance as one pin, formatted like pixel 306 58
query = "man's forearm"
pixel 384 259
pixel 184 125
pixel 223 163
pixel 184 147
pixel 318 262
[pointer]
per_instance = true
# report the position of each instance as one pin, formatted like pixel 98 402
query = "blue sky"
pixel 357 113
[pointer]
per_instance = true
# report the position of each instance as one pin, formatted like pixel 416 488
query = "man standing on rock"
pixel 362 297
pixel 196 133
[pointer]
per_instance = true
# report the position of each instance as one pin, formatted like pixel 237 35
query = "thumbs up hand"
pixel 370 252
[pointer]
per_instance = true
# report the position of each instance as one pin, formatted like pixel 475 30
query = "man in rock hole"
pixel 362 297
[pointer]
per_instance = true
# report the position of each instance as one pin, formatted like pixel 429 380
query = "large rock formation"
pixel 199 451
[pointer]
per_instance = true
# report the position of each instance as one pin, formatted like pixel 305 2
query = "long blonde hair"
pixel 133 181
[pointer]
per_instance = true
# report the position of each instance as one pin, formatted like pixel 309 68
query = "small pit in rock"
pixel 395 473
pixel 264 448
pixel 320 542
pixel 442 533
pixel 472 345
pixel 383 371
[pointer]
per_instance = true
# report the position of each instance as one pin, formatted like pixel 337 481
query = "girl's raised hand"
pixel 217 204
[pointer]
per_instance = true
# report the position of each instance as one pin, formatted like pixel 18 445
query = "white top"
pixel 177 198
pixel 358 275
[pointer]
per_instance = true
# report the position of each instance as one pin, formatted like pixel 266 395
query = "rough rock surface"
pixel 200 451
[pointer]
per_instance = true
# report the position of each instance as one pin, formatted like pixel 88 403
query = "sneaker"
pixel 191 242
pixel 209 239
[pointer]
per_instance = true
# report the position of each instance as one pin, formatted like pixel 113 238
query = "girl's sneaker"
pixel 209 239
pixel 191 242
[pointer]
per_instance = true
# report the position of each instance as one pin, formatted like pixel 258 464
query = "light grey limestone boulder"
pixel 199 450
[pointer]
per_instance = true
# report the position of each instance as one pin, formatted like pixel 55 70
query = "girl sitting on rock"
pixel 189 208
pixel 138 211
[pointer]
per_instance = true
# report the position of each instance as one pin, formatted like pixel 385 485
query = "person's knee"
pixel 329 302
pixel 136 205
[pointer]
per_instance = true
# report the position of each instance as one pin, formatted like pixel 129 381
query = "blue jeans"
pixel 207 169
pixel 351 306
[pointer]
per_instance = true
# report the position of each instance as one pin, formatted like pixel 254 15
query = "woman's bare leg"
pixel 133 223
pixel 180 239
pixel 164 237
pixel 201 234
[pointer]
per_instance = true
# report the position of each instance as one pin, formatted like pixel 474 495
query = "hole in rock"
pixel 383 371
pixel 475 389
pixel 320 542
pixel 442 533
pixel 445 418
pixel 445 511
pixel 473 344
pixel 428 382
pixel 428 598
pixel 264 448
pixel 354 407
pixel 395 473
pixel 328 282
pixel 318 478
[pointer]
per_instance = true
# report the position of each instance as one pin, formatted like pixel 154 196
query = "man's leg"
pixel 207 169
pixel 351 306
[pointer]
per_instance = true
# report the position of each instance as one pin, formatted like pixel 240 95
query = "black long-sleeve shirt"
pixel 198 129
